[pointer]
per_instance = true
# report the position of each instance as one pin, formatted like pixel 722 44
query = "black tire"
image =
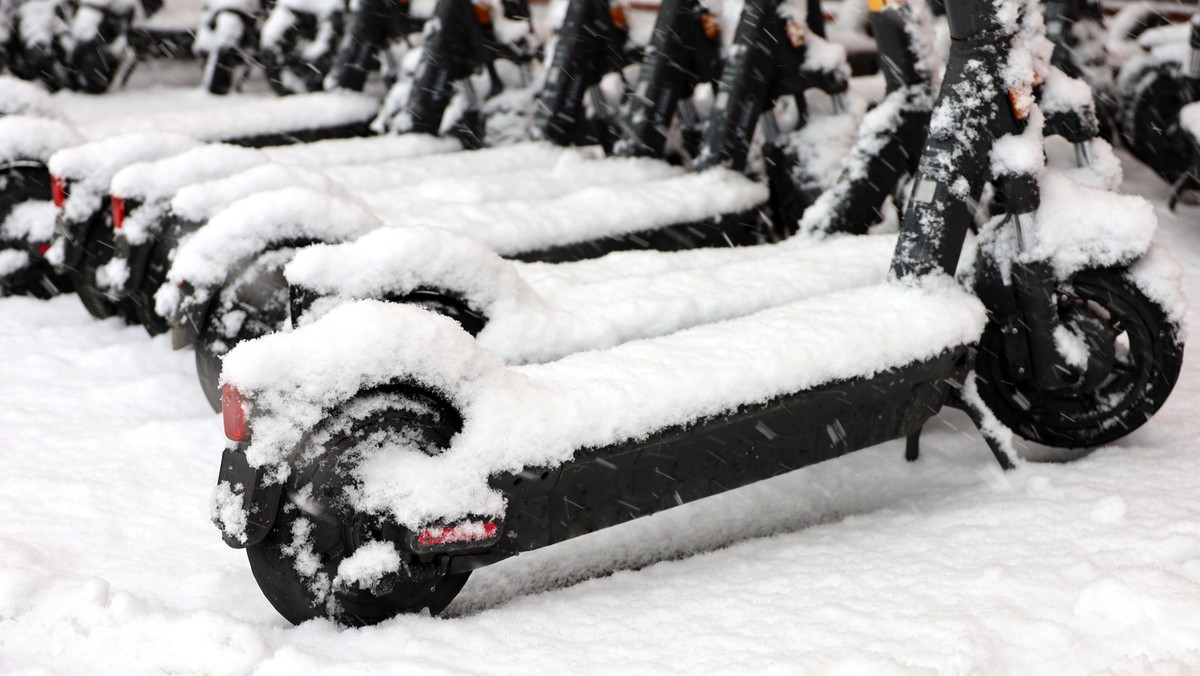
pixel 37 279
pixel 335 530
pixel 1148 360
pixel 208 371
pixel 141 297
pixel 304 77
pixel 220 70
pixel 95 301
pixel 93 69
pixel 1150 121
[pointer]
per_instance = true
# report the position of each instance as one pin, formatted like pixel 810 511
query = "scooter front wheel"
pixel 1147 356
pixel 1150 126
pixel 317 528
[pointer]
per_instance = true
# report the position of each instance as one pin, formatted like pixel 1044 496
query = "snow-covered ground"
pixel 867 564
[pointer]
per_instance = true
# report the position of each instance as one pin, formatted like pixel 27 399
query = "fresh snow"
pixel 537 321
pixel 20 97
pixel 24 137
pixel 243 119
pixel 109 563
pixel 533 416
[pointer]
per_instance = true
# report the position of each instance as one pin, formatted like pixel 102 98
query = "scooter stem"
pixel 972 110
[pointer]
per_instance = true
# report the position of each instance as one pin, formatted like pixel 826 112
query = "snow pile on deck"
pixel 246 119
pixel 160 179
pixel 429 197
pixel 516 226
pixel 361 149
pixel 530 321
pixel 18 97
pixel 96 162
pixel 1189 119
pixel 198 203
pixel 533 415
pixel 90 167
pixel 31 221
pixel 153 183
pixel 34 138
pixel 201 201
pixel 252 225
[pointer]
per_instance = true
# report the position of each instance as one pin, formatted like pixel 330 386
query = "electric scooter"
pixel 385 449
pixel 373 27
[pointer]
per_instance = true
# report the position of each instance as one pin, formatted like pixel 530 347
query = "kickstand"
pixel 997 436
pixel 912 446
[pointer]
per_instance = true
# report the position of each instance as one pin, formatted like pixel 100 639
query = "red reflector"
pixel 463 532
pixel 43 248
pixel 233 411
pixel 58 190
pixel 118 212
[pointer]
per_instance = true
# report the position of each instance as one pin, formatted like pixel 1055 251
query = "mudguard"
pixel 260 501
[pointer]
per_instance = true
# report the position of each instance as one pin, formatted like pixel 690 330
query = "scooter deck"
pixel 824 376
pixel 539 320
pixel 607 486
pixel 715 208
pixel 259 123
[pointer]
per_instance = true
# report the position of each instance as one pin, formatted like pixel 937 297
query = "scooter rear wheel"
pixel 316 521
pixel 95 301
pixel 1148 357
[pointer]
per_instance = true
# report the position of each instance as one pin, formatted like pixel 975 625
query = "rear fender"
pixel 259 501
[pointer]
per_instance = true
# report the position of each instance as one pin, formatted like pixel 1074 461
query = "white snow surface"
pixel 20 97
pixel 89 167
pixel 12 260
pixel 577 199
pixel 156 180
pixel 201 201
pixel 1189 119
pixel 518 225
pixel 34 138
pixel 530 321
pixel 517 417
pixel 361 150
pixel 109 563
pixel 96 162
pixel 409 166
pixel 31 221
pixel 241 118
pixel 1081 226
pixel 250 225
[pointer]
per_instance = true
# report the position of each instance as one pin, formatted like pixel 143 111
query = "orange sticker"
pixel 617 14
pixel 483 13
pixel 1021 99
pixel 795 33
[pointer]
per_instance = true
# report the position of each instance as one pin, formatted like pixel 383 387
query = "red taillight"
pixel 233 411
pixel 58 190
pixel 463 532
pixel 118 212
